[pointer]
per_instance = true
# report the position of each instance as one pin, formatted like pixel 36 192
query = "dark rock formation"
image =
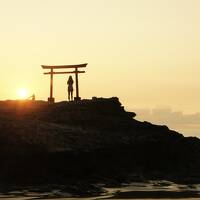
pixel 89 141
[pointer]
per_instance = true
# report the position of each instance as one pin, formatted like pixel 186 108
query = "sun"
pixel 22 93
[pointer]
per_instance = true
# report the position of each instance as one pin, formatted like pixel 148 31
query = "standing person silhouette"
pixel 70 83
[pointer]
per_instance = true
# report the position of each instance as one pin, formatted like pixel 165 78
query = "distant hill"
pixel 90 141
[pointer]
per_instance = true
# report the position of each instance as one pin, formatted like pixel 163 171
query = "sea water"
pixel 136 191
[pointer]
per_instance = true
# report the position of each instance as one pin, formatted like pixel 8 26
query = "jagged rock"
pixel 89 140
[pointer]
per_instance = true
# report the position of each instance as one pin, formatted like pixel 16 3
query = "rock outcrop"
pixel 90 141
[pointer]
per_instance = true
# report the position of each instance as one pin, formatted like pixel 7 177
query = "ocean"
pixel 136 191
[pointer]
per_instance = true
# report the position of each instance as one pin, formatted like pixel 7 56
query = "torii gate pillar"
pixel 52 72
pixel 77 86
pixel 51 99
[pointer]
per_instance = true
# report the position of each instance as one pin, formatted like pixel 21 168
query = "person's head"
pixel 70 78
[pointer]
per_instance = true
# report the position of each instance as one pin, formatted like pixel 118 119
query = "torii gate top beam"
pixel 63 66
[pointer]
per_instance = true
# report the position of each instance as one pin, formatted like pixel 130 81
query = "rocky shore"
pixel 88 142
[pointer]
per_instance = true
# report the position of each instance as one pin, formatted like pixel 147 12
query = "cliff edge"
pixel 90 141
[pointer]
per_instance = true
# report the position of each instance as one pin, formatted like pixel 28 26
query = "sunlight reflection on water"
pixel 127 191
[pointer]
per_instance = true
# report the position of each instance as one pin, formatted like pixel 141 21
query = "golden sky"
pixel 146 52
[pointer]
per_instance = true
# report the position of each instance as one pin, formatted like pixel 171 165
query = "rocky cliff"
pixel 90 141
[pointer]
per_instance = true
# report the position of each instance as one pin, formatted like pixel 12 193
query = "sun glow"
pixel 22 93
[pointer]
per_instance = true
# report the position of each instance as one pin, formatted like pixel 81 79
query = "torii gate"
pixel 52 72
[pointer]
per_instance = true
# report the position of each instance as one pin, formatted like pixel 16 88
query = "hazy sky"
pixel 146 52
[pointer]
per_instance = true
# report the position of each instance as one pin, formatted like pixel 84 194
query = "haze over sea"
pixel 187 124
